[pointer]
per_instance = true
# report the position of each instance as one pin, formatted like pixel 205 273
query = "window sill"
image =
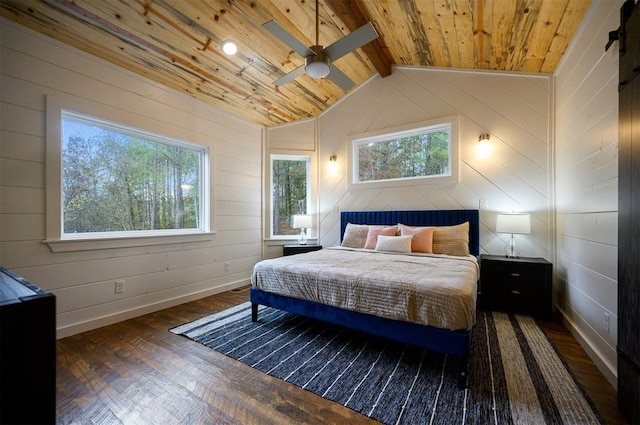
pixel 70 245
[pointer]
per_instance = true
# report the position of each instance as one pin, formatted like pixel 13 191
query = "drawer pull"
pixel 515 274
pixel 515 292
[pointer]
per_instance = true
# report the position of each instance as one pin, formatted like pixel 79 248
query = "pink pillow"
pixel 422 238
pixel 375 231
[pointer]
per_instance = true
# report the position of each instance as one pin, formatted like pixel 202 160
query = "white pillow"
pixel 394 243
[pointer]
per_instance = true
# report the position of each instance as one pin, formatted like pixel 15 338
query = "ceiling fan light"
pixel 229 47
pixel 317 69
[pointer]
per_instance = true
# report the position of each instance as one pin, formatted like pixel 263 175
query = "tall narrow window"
pixel 119 181
pixel 289 192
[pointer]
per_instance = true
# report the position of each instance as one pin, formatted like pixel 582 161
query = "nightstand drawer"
pixel 517 294
pixel 299 249
pixel 517 275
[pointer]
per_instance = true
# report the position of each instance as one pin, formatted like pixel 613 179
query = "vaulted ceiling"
pixel 177 42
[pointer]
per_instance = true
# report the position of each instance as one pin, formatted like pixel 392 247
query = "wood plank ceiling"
pixel 177 42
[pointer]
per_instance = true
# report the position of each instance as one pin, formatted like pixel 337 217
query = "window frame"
pixel 402 131
pixel 288 155
pixel 128 122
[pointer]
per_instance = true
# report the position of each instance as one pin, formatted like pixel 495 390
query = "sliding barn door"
pixel 629 214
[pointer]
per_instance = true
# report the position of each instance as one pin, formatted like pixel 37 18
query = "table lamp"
pixel 302 222
pixel 513 223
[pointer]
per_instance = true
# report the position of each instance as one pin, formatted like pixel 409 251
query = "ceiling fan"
pixel 318 60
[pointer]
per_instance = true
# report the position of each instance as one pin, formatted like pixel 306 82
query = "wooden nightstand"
pixel 519 285
pixel 299 249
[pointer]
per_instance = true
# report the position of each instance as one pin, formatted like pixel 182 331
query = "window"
pixel 290 185
pixel 422 154
pixel 122 180
pixel 119 185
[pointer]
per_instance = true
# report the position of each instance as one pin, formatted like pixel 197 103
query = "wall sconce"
pixel 484 146
pixel 229 47
pixel 333 164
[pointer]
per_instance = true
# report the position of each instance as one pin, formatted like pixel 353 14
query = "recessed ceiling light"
pixel 229 47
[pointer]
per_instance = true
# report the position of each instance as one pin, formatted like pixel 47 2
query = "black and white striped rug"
pixel 515 374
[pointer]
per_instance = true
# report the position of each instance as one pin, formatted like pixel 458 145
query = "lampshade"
pixel 513 223
pixel 301 221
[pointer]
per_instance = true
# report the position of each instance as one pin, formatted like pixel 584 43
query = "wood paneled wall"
pixel 296 138
pixel 157 276
pixel 513 108
pixel 587 186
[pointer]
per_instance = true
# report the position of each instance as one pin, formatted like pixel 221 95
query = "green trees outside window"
pixel 290 186
pixel 414 154
pixel 115 180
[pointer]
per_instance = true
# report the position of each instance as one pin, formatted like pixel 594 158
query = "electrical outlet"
pixel 483 204
pixel 119 286
pixel 606 322
pixel 226 266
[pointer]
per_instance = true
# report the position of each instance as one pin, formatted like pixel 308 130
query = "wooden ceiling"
pixel 177 42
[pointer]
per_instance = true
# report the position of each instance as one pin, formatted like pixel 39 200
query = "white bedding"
pixel 427 289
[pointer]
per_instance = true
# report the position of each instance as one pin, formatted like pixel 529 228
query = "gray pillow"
pixel 355 235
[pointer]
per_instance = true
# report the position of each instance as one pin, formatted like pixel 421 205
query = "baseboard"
pixel 76 328
pixel 607 369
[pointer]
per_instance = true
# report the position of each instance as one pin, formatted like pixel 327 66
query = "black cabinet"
pixel 299 249
pixel 519 285
pixel 628 213
pixel 629 65
pixel 27 352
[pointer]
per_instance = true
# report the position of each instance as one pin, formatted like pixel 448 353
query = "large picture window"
pixel 290 185
pixel 115 181
pixel 122 180
pixel 426 153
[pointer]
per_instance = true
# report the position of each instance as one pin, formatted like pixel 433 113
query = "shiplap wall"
pixel 514 109
pixel 156 276
pixel 587 185
pixel 296 138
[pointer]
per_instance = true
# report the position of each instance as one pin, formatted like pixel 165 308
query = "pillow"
pixel 422 237
pixel 394 243
pixel 451 240
pixel 355 235
pixel 375 231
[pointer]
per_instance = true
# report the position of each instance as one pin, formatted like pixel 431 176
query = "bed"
pixel 320 285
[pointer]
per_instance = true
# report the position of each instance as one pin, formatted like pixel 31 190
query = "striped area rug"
pixel 515 374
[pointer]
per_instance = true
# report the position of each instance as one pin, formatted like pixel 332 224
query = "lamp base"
pixel 511 251
pixel 302 238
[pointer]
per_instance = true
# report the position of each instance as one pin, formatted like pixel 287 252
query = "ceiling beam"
pixel 353 14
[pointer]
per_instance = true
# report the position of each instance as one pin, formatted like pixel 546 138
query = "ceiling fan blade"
pixel 274 28
pixel 351 42
pixel 289 76
pixel 340 78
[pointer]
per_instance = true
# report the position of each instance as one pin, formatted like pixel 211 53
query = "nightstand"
pixel 518 285
pixel 299 249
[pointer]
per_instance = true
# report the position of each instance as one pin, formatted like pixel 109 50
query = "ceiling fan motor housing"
pixel 319 64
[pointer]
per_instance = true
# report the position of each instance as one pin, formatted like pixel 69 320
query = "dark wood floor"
pixel 136 372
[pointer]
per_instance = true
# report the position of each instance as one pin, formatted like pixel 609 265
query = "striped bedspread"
pixel 434 290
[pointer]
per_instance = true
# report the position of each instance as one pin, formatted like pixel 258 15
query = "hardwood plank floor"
pixel 136 372
pixel 603 395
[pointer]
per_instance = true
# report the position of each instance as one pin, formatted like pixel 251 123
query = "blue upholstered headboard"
pixel 418 218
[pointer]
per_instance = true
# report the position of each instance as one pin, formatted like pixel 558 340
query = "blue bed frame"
pixel 456 343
